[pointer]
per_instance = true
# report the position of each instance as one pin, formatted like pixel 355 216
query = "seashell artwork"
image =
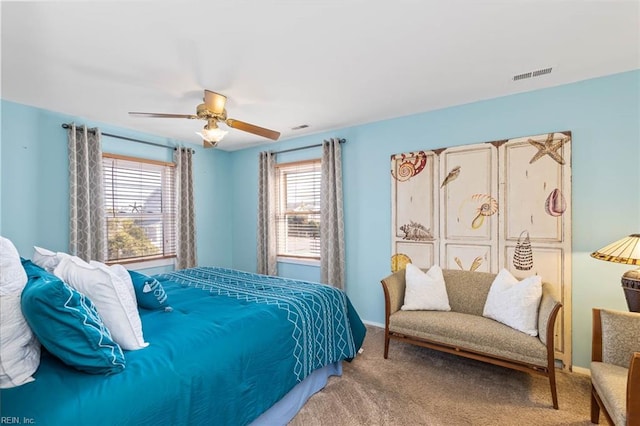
pixel 410 167
pixel 555 204
pixel 452 175
pixel 415 231
pixel 458 262
pixel 477 221
pixel 523 255
pixel 474 265
pixel 549 147
pixel 488 206
pixel 511 207
pixel 399 261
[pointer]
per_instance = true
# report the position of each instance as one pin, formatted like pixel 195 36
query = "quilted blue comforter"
pixel 234 344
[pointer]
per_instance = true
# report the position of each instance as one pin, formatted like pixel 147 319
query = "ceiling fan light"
pixel 212 136
pixel 212 133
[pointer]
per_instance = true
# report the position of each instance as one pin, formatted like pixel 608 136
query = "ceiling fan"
pixel 214 112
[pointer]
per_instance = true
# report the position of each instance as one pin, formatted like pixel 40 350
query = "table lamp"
pixel 627 251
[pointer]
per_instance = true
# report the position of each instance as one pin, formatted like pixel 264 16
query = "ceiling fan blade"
pixel 214 102
pixel 161 115
pixel 251 128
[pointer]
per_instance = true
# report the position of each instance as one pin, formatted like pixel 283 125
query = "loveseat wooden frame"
pixel 546 371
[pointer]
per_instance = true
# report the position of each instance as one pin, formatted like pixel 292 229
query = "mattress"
pixel 232 346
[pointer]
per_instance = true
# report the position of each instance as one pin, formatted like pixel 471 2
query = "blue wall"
pixel 604 117
pixel 34 182
pixel 602 114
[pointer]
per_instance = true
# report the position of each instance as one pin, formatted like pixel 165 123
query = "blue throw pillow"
pixel 149 292
pixel 67 324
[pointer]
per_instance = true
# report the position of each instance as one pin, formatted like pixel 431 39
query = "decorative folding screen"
pixel 488 206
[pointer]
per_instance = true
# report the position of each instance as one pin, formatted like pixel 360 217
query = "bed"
pixel 231 348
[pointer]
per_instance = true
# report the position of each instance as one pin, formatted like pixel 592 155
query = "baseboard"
pixel 581 370
pixel 374 324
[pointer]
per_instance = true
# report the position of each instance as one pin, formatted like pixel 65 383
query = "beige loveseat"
pixel 464 331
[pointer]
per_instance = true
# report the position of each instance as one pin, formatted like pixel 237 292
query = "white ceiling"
pixel 283 63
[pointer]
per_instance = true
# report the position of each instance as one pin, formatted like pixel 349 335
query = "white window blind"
pixel 298 209
pixel 140 208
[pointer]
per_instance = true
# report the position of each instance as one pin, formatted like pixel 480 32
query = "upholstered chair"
pixel 615 367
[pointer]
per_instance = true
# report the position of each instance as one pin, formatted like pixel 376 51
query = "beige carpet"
pixel 418 386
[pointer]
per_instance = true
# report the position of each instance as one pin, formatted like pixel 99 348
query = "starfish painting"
pixel 550 147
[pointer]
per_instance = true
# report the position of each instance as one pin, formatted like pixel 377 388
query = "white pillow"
pixel 12 274
pixel 19 347
pixel 47 259
pixel 110 296
pixel 425 291
pixel 122 273
pixel 515 303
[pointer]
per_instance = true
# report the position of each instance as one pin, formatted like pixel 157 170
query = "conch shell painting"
pixel 416 232
pixel 411 164
pixel 555 204
pixel 487 206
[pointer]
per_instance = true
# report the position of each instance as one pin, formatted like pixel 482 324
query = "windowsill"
pixel 299 261
pixel 155 263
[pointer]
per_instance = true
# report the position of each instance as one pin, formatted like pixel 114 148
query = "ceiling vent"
pixel 530 74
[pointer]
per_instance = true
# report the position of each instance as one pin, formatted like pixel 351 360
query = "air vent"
pixel 522 76
pixel 530 74
pixel 302 126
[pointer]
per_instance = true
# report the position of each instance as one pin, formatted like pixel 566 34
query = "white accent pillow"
pixel 19 347
pixel 12 275
pixel 515 303
pixel 122 273
pixel 47 259
pixel 110 296
pixel 425 291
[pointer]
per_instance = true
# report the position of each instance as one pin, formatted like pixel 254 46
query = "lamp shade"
pixel 625 250
pixel 212 133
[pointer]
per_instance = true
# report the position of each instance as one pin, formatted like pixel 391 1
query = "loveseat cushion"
pixel 611 383
pixel 470 332
pixel 467 290
pixel 623 328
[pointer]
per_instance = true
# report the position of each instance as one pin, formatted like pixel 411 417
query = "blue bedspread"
pixel 233 345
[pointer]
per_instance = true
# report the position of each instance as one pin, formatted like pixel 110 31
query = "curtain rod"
pixel 67 126
pixel 302 147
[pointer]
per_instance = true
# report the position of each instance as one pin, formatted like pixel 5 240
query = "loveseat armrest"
pixel 633 390
pixel 393 287
pixel 549 308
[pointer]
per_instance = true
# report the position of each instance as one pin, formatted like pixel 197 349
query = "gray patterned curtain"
pixel 266 238
pixel 186 238
pixel 87 232
pixel 332 217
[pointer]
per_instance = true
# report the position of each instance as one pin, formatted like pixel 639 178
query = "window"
pixel 140 208
pixel 298 209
